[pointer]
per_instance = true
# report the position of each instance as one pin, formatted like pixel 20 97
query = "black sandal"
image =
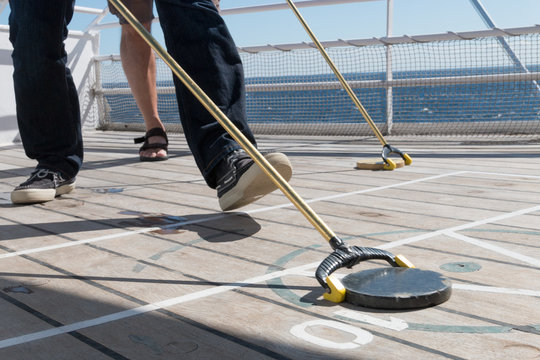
pixel 157 131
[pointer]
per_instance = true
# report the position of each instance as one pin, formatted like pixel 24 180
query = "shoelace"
pixel 42 173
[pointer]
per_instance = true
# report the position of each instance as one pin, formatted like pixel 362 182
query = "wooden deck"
pixel 139 262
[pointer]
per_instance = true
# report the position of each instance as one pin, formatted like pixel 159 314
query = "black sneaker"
pixel 241 181
pixel 42 185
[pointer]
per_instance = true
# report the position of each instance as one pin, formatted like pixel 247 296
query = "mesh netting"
pixel 486 85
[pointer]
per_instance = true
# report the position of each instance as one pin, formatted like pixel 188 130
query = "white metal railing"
pixel 100 14
pixel 95 26
pixel 396 40
pixel 259 8
pixel 3 4
pixel 387 83
pixel 364 84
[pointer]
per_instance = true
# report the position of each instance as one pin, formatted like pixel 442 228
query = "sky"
pixel 343 21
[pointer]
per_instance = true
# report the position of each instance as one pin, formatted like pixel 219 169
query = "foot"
pixel 155 153
pixel 241 181
pixel 42 185
pixel 155 145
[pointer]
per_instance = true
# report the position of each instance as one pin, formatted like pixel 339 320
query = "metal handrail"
pixel 396 40
pixel 258 8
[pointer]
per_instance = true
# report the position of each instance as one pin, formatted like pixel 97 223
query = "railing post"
pixel 506 46
pixel 3 4
pixel 98 93
pixel 389 75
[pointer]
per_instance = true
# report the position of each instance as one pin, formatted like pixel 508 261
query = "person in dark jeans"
pixel 48 110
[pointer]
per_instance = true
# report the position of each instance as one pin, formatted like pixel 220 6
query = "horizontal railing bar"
pixel 335 85
pixel 355 128
pixel 88 10
pixel 386 41
pixel 285 6
pixel 255 9
pixel 456 80
pixel 420 39
pixel 72 33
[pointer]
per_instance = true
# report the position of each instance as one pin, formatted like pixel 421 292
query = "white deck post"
pixel 481 10
pixel 389 75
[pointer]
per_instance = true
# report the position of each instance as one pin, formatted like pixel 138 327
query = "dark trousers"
pixel 47 107
pixel 198 39
pixel 47 101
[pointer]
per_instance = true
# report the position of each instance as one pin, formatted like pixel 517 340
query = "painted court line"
pixel 495 248
pixel 358 192
pixel 75 243
pixel 112 236
pixel 465 226
pixel 209 218
pixel 147 308
pixel 497 290
pixel 224 288
pixel 221 289
pixel 386 246
pixel 504 174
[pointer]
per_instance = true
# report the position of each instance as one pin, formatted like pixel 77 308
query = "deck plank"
pixel 140 263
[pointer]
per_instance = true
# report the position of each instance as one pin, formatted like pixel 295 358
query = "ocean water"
pixel 493 102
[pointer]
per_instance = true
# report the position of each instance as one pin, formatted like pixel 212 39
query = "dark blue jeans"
pixel 47 107
pixel 47 101
pixel 198 39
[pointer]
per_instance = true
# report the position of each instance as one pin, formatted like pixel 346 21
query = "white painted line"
pixel 497 290
pixel 483 244
pixel 205 219
pixel 311 274
pixel 147 308
pixel 223 215
pixel 224 288
pixel 361 336
pixel 493 219
pixel 393 323
pixel 206 293
pixel 379 188
pixel 74 243
pixel 504 174
pixel 112 236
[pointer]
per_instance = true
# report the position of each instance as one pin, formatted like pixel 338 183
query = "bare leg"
pixel 139 65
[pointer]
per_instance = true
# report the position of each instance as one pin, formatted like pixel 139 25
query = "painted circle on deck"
pixel 461 267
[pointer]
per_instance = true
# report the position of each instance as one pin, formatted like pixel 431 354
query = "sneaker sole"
pixel 34 196
pixel 65 189
pixel 254 183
